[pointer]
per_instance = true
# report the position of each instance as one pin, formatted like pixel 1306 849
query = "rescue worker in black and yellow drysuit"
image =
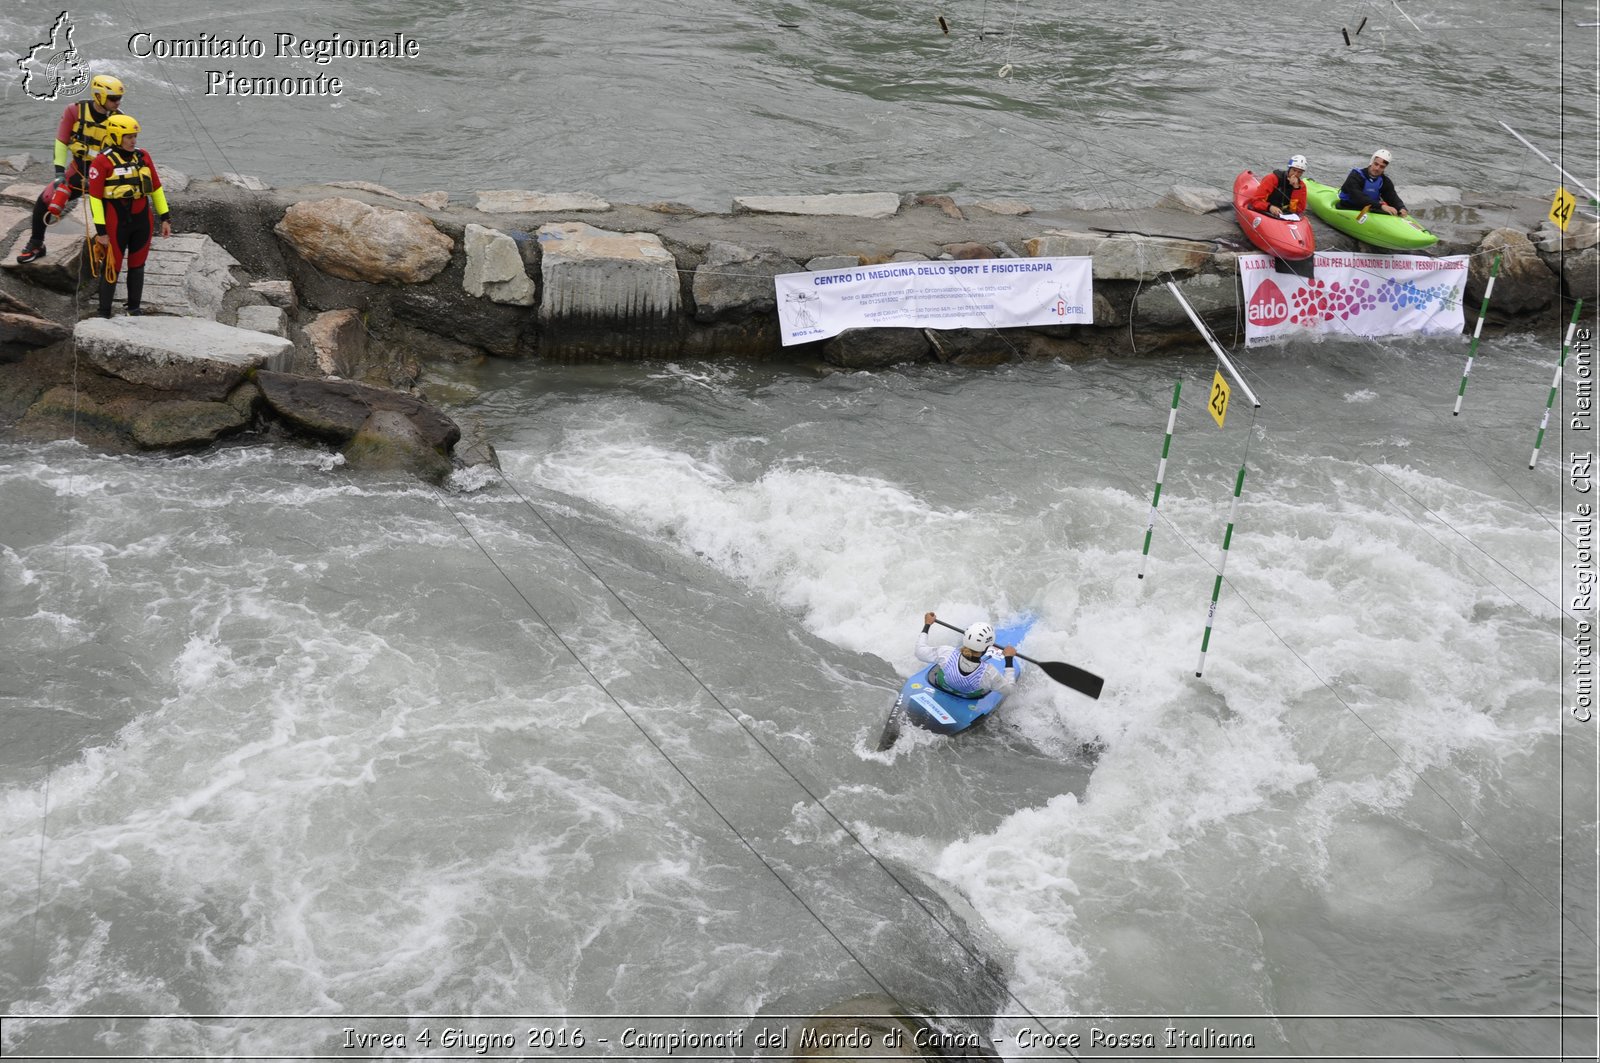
pixel 124 191
pixel 79 135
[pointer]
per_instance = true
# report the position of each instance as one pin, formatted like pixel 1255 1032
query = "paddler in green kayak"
pixel 1369 188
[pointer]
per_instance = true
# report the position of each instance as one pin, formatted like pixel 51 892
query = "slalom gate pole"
pixel 1216 589
pixel 1494 271
pixel 1161 473
pixel 1555 385
pixel 1216 348
pixel 1594 201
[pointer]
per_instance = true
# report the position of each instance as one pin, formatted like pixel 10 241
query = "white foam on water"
pixel 1359 642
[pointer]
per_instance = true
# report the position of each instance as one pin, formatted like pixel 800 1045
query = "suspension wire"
pixel 185 112
pixel 598 682
pixel 1438 517
pixel 659 748
pixel 1398 757
pixel 44 813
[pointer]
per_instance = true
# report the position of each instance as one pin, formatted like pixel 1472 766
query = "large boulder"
pixel 389 441
pixel 494 267
pixel 358 242
pixel 338 342
pixel 1214 297
pixel 63 248
pixel 187 357
pixel 1524 283
pixel 1578 272
pixel 187 423
pixel 27 331
pixel 876 348
pixel 1579 235
pixel 119 416
pixel 335 410
pixel 1125 256
pixel 734 282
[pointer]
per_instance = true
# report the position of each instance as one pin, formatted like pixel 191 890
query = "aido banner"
pixel 1354 294
pixel 979 293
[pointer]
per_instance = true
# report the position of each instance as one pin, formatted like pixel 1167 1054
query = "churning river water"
pixel 293 760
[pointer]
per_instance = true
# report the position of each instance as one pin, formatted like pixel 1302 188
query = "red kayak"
pixel 1288 240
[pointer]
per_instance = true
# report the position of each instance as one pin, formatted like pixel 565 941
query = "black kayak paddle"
pixel 1070 675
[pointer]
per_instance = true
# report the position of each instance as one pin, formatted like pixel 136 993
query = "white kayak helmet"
pixel 1382 153
pixel 1297 162
pixel 978 638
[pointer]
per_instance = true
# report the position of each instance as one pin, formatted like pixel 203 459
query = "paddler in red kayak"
pixel 1283 191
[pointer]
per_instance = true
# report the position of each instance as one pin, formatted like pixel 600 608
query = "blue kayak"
pixel 928 707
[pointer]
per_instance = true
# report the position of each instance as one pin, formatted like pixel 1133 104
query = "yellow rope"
pixel 100 264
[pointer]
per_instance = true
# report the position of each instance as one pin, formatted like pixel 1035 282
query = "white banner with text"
pixel 1354 294
pixel 977 293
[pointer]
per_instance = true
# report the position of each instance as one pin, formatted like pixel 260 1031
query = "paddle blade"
pixel 891 727
pixel 1086 683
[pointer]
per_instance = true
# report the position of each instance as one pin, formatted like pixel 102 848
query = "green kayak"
pixel 1375 227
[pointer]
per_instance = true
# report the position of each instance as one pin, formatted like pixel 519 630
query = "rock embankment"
pixel 366 286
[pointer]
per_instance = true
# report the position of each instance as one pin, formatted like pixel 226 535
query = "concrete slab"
pixel 590 273
pixel 190 356
pixel 430 200
pixel 186 275
pixel 519 201
pixel 1013 207
pixel 845 205
pixel 268 319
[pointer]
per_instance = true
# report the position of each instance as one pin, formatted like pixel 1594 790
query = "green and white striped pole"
pixel 1555 384
pixel 1494 271
pixel 1161 474
pixel 1216 589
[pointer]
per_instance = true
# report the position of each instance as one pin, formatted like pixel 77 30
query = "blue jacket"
pixel 1361 189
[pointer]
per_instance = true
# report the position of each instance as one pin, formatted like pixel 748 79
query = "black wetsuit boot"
pixel 107 290
pixel 135 290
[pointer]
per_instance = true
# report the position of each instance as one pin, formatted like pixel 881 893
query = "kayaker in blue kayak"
pixel 1369 188
pixel 966 670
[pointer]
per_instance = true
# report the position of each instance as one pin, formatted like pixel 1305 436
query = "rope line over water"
pixel 855 838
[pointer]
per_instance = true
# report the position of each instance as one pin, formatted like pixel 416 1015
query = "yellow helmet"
pixel 119 126
pixel 102 86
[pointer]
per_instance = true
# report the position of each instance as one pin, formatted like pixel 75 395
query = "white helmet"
pixel 1297 162
pixel 1382 153
pixel 978 638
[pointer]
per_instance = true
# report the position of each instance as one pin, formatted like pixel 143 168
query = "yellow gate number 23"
pixel 1561 208
pixel 1218 403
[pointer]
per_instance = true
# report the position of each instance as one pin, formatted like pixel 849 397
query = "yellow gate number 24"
pixel 1561 208
pixel 1218 403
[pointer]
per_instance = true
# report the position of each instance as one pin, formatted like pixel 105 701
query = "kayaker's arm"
pixel 1392 197
pixel 1002 679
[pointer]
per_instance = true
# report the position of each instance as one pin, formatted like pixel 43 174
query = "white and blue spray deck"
pixel 934 709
